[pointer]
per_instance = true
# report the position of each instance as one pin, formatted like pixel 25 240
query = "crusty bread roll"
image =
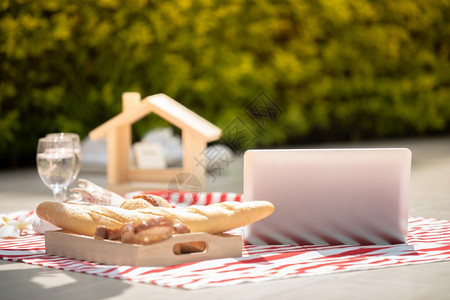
pixel 84 219
pixel 214 218
pixel 135 203
pixel 153 200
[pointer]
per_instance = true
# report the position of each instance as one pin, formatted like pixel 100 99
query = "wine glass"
pixel 77 149
pixel 56 164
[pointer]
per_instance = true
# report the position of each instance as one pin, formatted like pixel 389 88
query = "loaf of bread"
pixel 214 218
pixel 84 219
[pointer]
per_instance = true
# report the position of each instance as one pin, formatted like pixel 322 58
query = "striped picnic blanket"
pixel 428 241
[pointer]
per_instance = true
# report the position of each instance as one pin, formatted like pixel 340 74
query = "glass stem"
pixel 60 195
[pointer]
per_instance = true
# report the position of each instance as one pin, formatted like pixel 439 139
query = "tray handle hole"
pixel 189 247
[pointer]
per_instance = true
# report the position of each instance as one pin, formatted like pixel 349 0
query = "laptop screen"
pixel 329 196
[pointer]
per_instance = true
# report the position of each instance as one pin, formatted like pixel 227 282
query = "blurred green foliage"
pixel 339 69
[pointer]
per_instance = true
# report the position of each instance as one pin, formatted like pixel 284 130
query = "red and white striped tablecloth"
pixel 428 241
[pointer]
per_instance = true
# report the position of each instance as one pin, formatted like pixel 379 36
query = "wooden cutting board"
pixel 159 254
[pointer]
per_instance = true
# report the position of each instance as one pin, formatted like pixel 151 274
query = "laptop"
pixel 329 196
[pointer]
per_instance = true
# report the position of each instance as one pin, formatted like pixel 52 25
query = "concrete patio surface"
pixel 429 197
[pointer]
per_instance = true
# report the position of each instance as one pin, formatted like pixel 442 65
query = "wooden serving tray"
pixel 159 254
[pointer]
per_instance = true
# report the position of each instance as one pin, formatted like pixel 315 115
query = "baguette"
pixel 84 219
pixel 214 218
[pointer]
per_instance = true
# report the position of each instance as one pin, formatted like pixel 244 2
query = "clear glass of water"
pixel 55 161
pixel 76 148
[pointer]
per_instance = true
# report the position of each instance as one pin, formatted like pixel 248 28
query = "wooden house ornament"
pixel 196 132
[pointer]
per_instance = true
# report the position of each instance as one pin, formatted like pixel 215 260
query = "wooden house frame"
pixel 196 132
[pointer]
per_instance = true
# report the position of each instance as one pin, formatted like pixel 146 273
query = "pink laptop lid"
pixel 329 196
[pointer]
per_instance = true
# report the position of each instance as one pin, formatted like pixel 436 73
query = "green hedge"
pixel 338 70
